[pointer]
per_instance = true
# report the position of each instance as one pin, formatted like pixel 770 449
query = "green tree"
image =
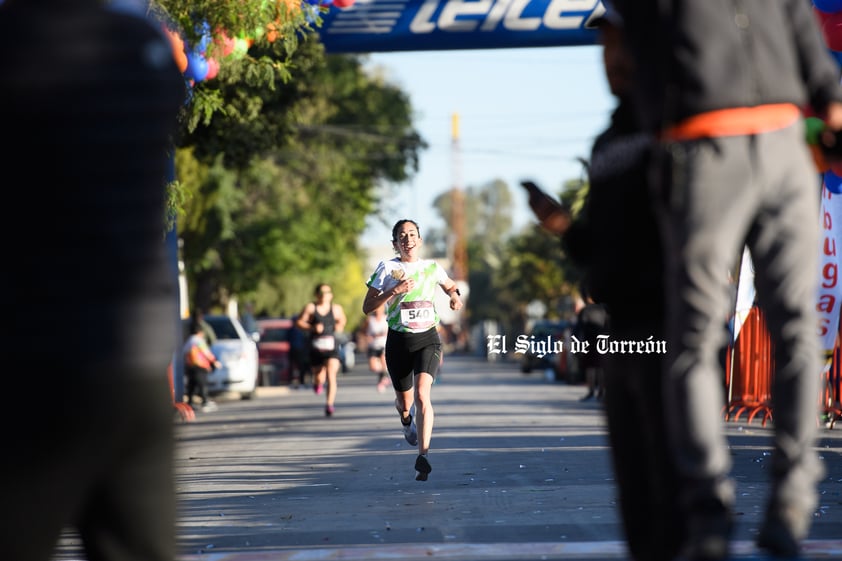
pixel 488 225
pixel 223 33
pixel 282 180
pixel 535 266
pixel 508 270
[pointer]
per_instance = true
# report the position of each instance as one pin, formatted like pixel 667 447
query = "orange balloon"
pixel 177 44
pixel 271 32
pixel 181 60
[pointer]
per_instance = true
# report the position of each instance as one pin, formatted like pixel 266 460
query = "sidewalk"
pixel 521 471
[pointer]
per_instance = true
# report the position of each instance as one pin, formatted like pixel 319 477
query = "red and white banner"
pixel 830 290
pixel 745 292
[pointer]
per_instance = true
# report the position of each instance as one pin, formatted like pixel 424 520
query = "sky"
pixel 523 113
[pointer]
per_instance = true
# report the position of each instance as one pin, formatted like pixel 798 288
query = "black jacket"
pixel 615 239
pixel 93 101
pixel 695 56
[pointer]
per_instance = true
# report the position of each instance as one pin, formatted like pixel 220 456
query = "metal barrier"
pixel 749 367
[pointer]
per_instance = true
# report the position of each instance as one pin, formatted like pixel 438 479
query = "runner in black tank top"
pixel 323 320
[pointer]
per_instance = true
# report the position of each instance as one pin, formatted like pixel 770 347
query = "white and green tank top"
pixel 413 312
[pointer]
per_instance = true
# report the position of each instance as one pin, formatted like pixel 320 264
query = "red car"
pixel 273 351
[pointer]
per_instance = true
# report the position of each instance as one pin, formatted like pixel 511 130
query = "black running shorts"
pixel 412 352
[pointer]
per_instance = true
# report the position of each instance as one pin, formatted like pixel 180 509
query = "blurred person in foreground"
pixel 90 97
pixel 407 286
pixel 722 89
pixel 614 241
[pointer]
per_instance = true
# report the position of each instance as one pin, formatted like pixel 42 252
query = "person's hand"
pixel 405 286
pixel 455 302
pixel 217 365
pixel 550 213
pixel 833 116
pixel 830 139
pixel 556 222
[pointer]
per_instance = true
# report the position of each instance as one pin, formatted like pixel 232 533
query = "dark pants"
pixel 197 383
pixel 300 364
pixel 643 465
pixel 103 465
pixel 706 223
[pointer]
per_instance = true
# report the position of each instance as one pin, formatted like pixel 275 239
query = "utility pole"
pixel 459 256
pixel 458 251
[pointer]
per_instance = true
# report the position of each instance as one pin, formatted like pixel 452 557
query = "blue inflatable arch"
pixel 367 26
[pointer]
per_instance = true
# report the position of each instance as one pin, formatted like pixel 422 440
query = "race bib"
pixel 379 342
pixel 324 343
pixel 418 315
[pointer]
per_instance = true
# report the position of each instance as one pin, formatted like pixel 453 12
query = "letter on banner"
pixel 829 290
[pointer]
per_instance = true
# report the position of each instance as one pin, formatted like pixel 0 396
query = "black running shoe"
pixel 423 467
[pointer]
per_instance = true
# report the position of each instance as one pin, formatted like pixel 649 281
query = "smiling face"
pixel 407 241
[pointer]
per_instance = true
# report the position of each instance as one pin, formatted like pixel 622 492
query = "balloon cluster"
pixel 193 59
pixel 829 14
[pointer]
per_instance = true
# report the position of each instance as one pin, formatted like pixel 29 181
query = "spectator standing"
pixel 376 332
pixel 722 90
pixel 199 362
pixel 299 352
pixel 407 286
pixel 591 323
pixel 91 95
pixel 324 320
pixel 615 242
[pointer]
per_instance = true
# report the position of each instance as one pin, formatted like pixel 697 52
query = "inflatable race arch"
pixel 426 25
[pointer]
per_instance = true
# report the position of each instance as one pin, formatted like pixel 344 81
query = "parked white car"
pixel 237 351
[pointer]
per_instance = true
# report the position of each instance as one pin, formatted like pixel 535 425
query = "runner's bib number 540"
pixel 418 315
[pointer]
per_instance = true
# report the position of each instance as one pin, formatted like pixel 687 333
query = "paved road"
pixel 520 471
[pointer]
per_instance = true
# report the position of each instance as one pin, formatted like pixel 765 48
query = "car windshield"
pixel 223 327
pixel 274 335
